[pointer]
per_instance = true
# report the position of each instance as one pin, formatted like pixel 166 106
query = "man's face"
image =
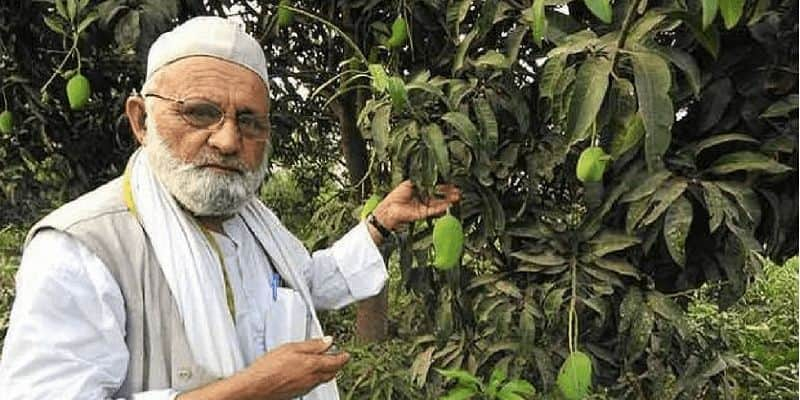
pixel 213 170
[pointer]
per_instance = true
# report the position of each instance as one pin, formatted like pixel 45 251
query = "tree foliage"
pixel 694 100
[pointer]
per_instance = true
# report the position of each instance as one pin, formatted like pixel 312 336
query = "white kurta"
pixel 67 334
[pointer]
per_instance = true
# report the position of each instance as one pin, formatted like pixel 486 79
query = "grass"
pixel 762 330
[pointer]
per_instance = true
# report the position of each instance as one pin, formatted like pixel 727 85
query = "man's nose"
pixel 226 137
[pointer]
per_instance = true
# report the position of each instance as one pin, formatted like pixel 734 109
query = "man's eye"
pixel 251 122
pixel 202 113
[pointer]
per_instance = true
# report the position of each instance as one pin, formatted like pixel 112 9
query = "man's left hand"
pixel 402 205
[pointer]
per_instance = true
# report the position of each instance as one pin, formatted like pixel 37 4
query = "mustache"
pixel 210 158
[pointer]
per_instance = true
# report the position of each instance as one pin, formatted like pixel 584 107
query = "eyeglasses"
pixel 201 113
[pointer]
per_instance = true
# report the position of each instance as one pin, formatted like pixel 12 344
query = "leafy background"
pixel 671 270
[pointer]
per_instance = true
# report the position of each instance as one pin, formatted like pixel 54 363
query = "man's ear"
pixel 135 110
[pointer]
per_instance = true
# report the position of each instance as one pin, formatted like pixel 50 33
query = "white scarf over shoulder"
pixel 195 277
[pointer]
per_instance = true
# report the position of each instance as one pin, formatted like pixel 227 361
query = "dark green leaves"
pixel 600 8
pixel 465 129
pixel 591 84
pixel 781 108
pixel 538 22
pixel 652 79
pixel 676 229
pixel 628 137
pixel 747 161
pixel 380 129
pixel 709 12
pixel 434 139
pixel 731 11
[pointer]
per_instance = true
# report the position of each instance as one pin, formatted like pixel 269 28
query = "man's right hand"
pixel 289 371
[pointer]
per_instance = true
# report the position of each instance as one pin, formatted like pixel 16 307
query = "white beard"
pixel 203 191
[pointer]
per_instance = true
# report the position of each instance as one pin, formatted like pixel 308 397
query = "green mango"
pixel 592 164
pixel 448 242
pixel 78 91
pixel 6 121
pixel 575 376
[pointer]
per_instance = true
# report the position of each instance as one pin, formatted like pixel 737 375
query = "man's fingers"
pixel 432 207
pixel 449 192
pixel 331 364
pixel 314 346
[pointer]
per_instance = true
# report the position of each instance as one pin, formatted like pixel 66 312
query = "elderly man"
pixel 174 280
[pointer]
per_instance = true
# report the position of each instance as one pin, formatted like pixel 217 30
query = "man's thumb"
pixel 315 346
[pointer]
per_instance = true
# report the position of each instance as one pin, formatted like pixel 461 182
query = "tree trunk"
pixel 371 317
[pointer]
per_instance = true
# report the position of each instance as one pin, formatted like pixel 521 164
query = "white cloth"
pixel 66 337
pixel 192 270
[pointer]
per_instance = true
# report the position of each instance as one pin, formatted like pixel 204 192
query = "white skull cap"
pixel 208 36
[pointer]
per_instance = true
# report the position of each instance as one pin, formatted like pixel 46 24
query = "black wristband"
pixel 384 231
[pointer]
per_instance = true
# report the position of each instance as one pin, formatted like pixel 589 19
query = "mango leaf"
pixel 61 9
pixel 622 99
pixel 591 84
pixel 461 376
pixel 781 107
pixel 497 377
pixel 514 42
pixel 617 265
pixel 648 187
pixel 746 199
pixel 56 25
pixel 636 211
pixel 527 326
pixel 460 393
pixel 421 365
pixel 87 20
pixel 731 11
pixel 380 81
pixel 644 25
pixel 707 37
pixel 488 123
pixel 72 9
pixel 398 93
pixel 551 70
pixel 516 387
pixel 456 13
pixel 719 139
pixel 669 310
pixel 630 308
pixel 652 79
pixel 715 100
pixel 492 58
pixel 434 139
pixel 538 21
pixel 461 51
pixel 710 8
pixel 686 63
pixel 600 8
pixel 465 129
pixel 544 259
pixel 663 198
pixel 380 130
pixel 714 205
pixel 747 161
pixel 676 228
pixel 630 136
pixel 639 333
pixel 608 242
pixel 508 288
pixel 574 43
